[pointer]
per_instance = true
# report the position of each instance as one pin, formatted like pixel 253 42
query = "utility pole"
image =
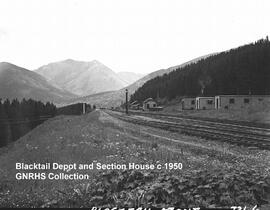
pixel 126 101
pixel 83 108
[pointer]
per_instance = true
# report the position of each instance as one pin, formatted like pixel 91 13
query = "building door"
pixel 217 103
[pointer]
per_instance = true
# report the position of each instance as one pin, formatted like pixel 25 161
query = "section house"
pixel 242 101
pixel 188 103
pixel 205 103
pixel 149 104
pixel 134 105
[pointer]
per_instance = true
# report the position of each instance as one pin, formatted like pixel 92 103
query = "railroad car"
pixel 74 109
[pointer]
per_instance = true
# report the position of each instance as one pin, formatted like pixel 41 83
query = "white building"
pixel 149 104
pixel 188 103
pixel 134 105
pixel 242 101
pixel 205 103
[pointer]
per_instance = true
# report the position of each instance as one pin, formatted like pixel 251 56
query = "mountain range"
pixel 70 81
pixel 17 82
pixel 83 78
pixel 59 82
pixel 115 98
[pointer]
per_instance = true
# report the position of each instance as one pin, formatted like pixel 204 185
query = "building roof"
pixel 202 97
pixel 134 102
pixel 244 95
pixel 148 100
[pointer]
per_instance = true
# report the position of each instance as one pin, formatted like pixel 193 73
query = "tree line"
pixel 244 70
pixel 19 117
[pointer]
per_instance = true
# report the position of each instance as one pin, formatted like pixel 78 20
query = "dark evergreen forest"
pixel 19 117
pixel 244 70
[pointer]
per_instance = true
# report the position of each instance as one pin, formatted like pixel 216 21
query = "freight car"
pixel 74 109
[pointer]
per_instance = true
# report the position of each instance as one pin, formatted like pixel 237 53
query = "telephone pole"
pixel 126 101
pixel 83 108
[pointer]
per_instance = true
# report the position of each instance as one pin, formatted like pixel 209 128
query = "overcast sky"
pixel 127 35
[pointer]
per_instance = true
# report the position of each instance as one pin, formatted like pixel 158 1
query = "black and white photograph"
pixel 135 104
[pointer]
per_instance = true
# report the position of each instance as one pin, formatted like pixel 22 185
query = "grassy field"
pixel 245 115
pixel 213 173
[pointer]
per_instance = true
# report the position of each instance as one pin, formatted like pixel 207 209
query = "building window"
pixel 154 105
pixel 193 102
pixel 209 101
pixel 246 100
pixel 260 99
pixel 231 101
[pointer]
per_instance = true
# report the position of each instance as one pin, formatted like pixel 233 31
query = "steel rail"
pixel 232 136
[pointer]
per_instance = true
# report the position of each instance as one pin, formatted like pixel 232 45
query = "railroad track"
pixel 210 124
pixel 232 133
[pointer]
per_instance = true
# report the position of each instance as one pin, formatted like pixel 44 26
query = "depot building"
pixel 241 101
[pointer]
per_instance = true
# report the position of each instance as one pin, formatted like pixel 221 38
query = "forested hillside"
pixel 19 117
pixel 244 70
